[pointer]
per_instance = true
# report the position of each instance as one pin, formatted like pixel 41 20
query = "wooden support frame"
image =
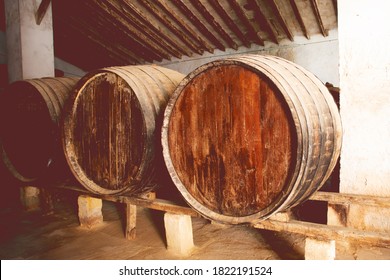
pixel 282 222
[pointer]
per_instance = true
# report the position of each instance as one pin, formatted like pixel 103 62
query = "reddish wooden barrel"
pixel 247 137
pixel 110 127
pixel 30 126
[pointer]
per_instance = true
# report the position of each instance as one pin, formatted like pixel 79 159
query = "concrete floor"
pixel 58 236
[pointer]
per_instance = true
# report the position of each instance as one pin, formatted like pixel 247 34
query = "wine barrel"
pixel 247 137
pixel 110 127
pixel 31 110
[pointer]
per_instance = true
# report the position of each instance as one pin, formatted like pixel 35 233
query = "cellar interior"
pixel 195 130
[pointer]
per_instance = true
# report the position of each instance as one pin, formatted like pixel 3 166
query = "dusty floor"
pixel 58 236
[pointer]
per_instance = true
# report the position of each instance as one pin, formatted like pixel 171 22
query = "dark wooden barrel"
pixel 31 110
pixel 110 127
pixel 247 137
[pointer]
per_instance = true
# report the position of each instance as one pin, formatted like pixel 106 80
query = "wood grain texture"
pixel 110 126
pixel 237 133
pixel 250 136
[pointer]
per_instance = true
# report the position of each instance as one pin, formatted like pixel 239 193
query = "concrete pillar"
pixel 319 249
pixel 364 37
pixel 90 211
pixel 178 230
pixel 30 51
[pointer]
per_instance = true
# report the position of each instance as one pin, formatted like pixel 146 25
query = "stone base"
pixel 320 250
pixel 90 211
pixel 178 230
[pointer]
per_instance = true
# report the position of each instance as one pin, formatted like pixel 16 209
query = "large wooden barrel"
pixel 247 137
pixel 110 127
pixel 31 110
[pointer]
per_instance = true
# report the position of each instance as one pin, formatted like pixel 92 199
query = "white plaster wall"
pixel 68 69
pixel 319 55
pixel 30 49
pixel 364 38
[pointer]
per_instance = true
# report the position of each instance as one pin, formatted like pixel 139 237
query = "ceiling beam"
pixel 115 13
pixel 245 20
pixel 262 19
pixel 146 25
pixel 299 18
pixel 281 19
pixel 171 27
pixel 229 22
pixel 40 14
pixel 335 8
pixel 116 30
pixel 198 24
pixel 210 19
pixel 183 25
pixel 317 13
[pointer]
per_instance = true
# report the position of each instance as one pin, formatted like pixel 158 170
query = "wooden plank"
pixel 156 204
pixel 299 18
pixel 184 26
pixel 40 14
pixel 317 13
pixel 327 232
pixel 281 19
pixel 245 20
pixel 340 198
pixel 198 23
pixel 211 20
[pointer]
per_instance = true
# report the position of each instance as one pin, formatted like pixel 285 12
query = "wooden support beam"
pixel 199 24
pixel 327 232
pixel 281 19
pixel 184 26
pixel 171 27
pixel 343 199
pixel 131 221
pixel 259 15
pixel 317 13
pixel 211 20
pixel 40 14
pixel 335 8
pixel 245 20
pixel 149 41
pixel 229 22
pixel 146 25
pixel 110 29
pixel 299 18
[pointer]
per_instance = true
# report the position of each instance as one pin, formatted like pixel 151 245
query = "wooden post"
pixel 131 220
